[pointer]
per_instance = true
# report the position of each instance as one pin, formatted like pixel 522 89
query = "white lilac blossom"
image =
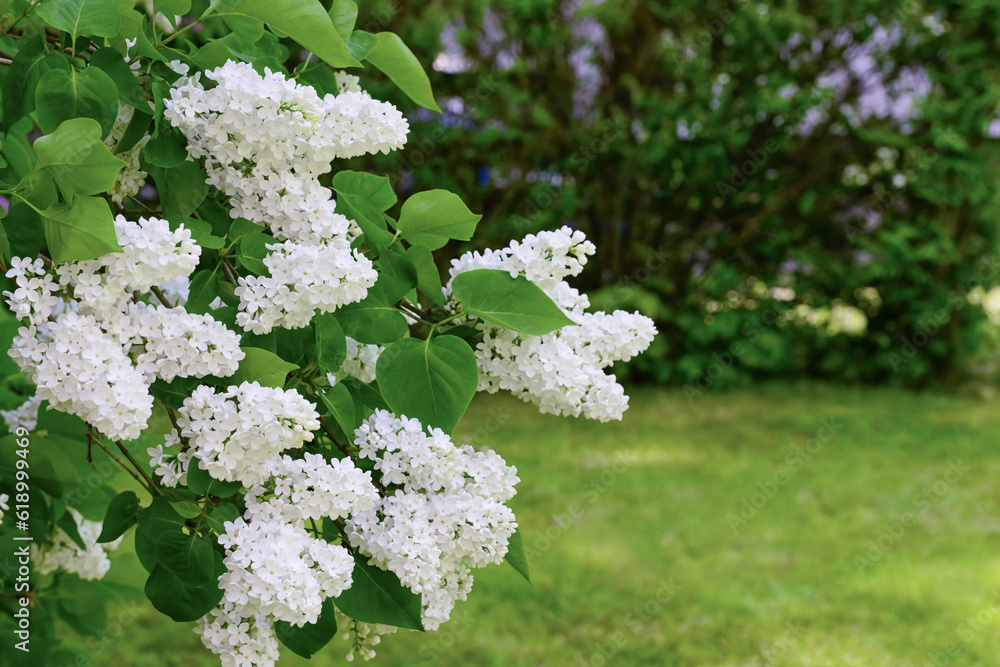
pixel 275 567
pixel 59 551
pixel 4 499
pixel 83 370
pixel 92 350
pixel 239 636
pixel 313 488
pixel 33 298
pixel 265 140
pixel 182 344
pixel 303 278
pixel 170 466
pixel 235 433
pixel 131 178
pixel 24 416
pixel 152 254
pixel 563 372
pixel 446 516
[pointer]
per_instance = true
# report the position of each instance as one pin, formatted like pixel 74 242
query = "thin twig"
pixel 118 460
pixel 161 296
pixel 139 203
pixel 90 458
pixel 142 472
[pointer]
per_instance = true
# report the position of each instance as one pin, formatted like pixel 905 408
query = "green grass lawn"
pixel 877 550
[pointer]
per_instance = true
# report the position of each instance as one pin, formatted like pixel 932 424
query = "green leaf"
pixel 220 515
pixel 373 319
pixel 114 65
pixel 305 21
pixel 311 637
pixel 430 218
pixel 121 515
pixel 433 380
pixel 167 149
pixel 203 291
pixel 21 81
pixel 187 508
pixel 338 400
pixel 516 555
pixel 262 366
pixel 90 18
pixel 182 189
pixel 428 276
pixel 253 250
pixel 377 596
pixel 203 484
pixel 180 600
pixel 357 208
pixel 68 524
pixel 85 230
pixel 398 273
pixel 396 60
pixel 377 190
pixel 76 158
pixel 512 303
pixel 136 130
pixel 171 8
pixel 187 557
pixel 361 43
pixel 62 95
pixel 331 344
pixel 344 14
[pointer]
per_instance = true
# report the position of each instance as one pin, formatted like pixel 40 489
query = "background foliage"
pixel 713 149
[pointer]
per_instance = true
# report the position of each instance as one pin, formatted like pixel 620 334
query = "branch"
pixel 161 296
pixel 142 472
pixel 91 438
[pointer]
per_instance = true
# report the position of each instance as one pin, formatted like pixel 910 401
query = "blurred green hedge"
pixel 716 150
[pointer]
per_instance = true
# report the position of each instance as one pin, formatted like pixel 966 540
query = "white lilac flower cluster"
pixel 562 372
pixel 4 499
pixel 59 551
pixel 276 570
pixel 446 517
pixel 131 178
pixel 235 433
pixel 24 416
pixel 302 278
pixel 265 140
pixel 92 349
